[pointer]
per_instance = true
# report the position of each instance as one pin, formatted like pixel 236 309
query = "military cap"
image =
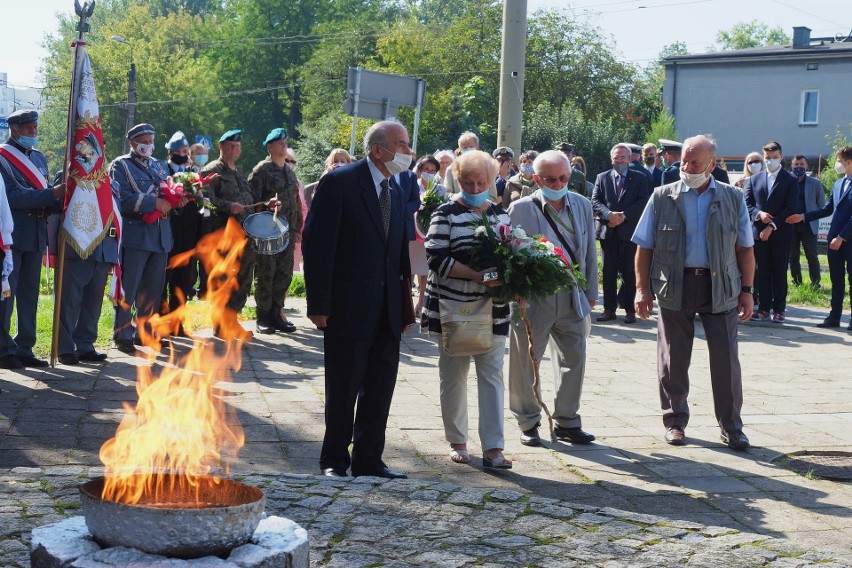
pixel 634 148
pixel 177 141
pixel 565 147
pixel 670 145
pixel 275 134
pixel 231 136
pixel 503 152
pixel 140 130
pixel 22 117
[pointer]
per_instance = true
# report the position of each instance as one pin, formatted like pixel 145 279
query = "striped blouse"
pixel 449 241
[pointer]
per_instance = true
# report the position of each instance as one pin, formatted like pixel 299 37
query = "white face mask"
pixel 693 181
pixel 468 149
pixel 399 163
pixel 838 167
pixel 145 150
pixel 755 167
pixel 427 177
pixel 772 164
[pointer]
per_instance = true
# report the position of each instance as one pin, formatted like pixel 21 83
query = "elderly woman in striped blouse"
pixel 451 276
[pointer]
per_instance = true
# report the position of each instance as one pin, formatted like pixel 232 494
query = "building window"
pixel 809 112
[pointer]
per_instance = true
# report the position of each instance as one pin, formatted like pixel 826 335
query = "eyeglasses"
pixel 291 162
pixel 551 180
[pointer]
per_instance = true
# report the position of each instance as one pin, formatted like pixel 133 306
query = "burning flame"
pixel 180 435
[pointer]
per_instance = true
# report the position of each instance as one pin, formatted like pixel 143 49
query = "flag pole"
pixel 84 12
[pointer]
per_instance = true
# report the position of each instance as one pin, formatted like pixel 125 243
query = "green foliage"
pixel 297 286
pixel 749 34
pixel 839 139
pixel 662 127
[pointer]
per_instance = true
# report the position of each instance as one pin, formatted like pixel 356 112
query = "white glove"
pixel 7 264
pixel 5 290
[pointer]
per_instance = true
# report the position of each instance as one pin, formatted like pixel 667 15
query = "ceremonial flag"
pixel 91 210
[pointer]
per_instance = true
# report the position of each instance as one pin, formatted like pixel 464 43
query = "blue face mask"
pixel 28 141
pixel 474 199
pixel 200 159
pixel 554 194
pixel 800 171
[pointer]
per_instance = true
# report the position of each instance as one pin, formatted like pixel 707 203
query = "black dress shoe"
pixel 125 346
pixel 531 437
pixel 32 361
pixel 92 356
pixel 383 471
pixel 573 435
pixel 10 362
pixel 335 472
pixel 285 325
pixel 630 317
pixel 829 322
pixel 675 436
pixel 607 315
pixel 69 359
pixel 735 439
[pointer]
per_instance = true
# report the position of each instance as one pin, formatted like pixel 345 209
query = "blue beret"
pixel 178 140
pixel 22 117
pixel 275 134
pixel 232 136
pixel 140 130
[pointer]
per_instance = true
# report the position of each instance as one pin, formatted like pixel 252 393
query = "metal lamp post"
pixel 131 90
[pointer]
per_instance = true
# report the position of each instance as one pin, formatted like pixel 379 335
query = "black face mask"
pixel 650 160
pixel 180 160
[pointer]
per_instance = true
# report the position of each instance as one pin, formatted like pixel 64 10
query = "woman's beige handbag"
pixel 466 327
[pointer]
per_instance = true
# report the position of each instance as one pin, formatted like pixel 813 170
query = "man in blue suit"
pixel 358 291
pixel 839 233
pixel 618 200
pixel 811 198
pixel 771 197
pixel 31 198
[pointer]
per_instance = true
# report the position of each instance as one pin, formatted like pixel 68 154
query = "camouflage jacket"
pixel 230 186
pixel 268 180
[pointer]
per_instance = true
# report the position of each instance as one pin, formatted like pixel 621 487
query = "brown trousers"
pixel 675 336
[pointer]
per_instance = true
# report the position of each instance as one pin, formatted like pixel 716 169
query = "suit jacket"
pixel 637 166
pixel 657 175
pixel 351 267
pixel 632 202
pixel 814 199
pixel 525 213
pixel 841 222
pixel 410 187
pixel 781 202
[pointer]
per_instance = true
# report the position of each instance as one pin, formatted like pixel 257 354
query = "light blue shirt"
pixel 696 207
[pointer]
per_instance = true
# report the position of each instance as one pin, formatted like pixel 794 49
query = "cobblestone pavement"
pixel 373 522
pixel 561 505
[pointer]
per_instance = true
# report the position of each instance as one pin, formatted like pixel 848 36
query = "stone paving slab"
pixel 796 385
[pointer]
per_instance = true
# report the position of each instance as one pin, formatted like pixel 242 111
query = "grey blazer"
pixel 525 213
pixel 814 199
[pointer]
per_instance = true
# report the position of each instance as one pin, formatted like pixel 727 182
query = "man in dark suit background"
pixel 811 198
pixel 356 269
pixel 839 233
pixel 772 196
pixel 618 200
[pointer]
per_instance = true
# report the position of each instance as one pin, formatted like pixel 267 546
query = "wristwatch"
pixel 747 290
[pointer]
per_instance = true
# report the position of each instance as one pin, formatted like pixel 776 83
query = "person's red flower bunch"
pixel 171 192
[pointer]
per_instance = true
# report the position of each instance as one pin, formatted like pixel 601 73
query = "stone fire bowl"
pixel 179 529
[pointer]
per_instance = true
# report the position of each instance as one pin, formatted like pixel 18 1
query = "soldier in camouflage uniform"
pixel 272 178
pixel 231 194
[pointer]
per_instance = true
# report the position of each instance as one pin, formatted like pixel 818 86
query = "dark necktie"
pixel 619 187
pixel 385 202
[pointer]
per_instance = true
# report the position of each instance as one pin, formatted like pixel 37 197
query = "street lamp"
pixel 131 90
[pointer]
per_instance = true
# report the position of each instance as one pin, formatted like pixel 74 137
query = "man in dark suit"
pixel 356 277
pixel 618 200
pixel 839 233
pixel 772 196
pixel 811 198
pixel 636 163
pixel 649 158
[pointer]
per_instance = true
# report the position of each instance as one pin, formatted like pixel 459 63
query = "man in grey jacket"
pixel 811 198
pixel 695 254
pixel 565 219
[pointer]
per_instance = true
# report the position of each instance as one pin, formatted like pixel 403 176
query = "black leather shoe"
pixel 279 322
pixel 69 359
pixel 573 435
pixel 607 315
pixel 10 362
pixel 735 439
pixel 675 436
pixel 125 346
pixel 384 471
pixel 335 472
pixel 92 356
pixel 32 361
pixel 630 317
pixel 829 322
pixel 265 325
pixel 530 437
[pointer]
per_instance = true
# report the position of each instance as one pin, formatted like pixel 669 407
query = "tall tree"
pixel 749 34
